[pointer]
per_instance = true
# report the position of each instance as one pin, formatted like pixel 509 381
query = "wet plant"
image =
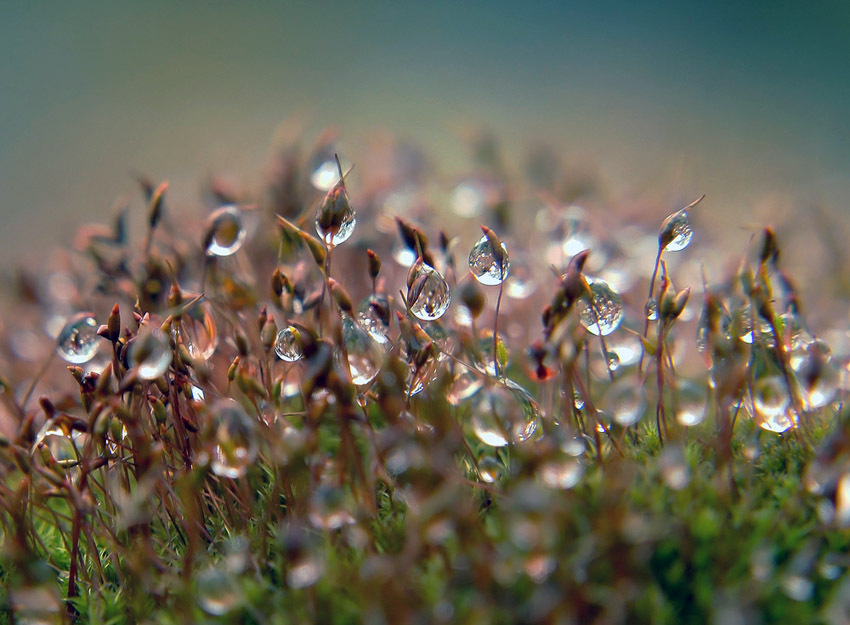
pixel 216 421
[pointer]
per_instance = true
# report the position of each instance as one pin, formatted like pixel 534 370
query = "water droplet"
pixel 567 231
pixel 429 297
pixel 308 285
pixel 329 508
pixel 690 407
pixel 484 264
pixel 234 438
pixel 650 309
pixel 78 341
pixel 504 413
pixel 770 396
pixel 197 331
pixel 521 282
pixel 628 349
pixel 489 469
pixel 465 384
pixel 374 316
pixel 286 345
pixel 468 198
pixel 365 355
pixel 742 324
pixel 305 571
pixel 150 353
pixel 578 400
pixel 606 303
pixel 613 361
pixel 624 401
pixel 798 587
pixel 674 467
pixel 815 374
pixel 218 592
pixel 677 230
pixel 59 443
pixel 336 219
pixel 225 231
pixel 561 473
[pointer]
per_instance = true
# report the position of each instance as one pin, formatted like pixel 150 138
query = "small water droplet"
pixel 234 438
pixel 613 361
pixel 674 468
pixel 150 353
pixel 504 413
pixel 608 305
pixel 578 400
pixel 484 264
pixel 561 473
pixel 218 592
pixel 691 406
pixel 78 341
pixel 650 309
pixel 329 508
pixel 770 397
pixel 625 402
pixel 305 571
pixel 677 230
pixel 374 316
pixel 465 384
pixel 225 231
pixel 59 443
pixel 521 282
pixel 429 298
pixel 197 331
pixel 336 219
pixel 286 345
pixel 365 355
pixel 468 198
pixel 489 469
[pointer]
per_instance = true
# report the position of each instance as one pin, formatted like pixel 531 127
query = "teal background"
pixel 737 100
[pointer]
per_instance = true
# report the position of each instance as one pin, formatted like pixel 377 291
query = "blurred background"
pixel 746 102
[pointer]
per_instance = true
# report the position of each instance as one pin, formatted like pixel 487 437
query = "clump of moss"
pixel 365 425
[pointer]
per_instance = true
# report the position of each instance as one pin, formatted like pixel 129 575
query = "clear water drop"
pixel 217 592
pixel 504 413
pixel 578 400
pixel 650 309
pixel 429 296
pixel 235 439
pixel 336 219
pixel 625 402
pixel 484 264
pixel 464 385
pixel 521 282
pixel 365 355
pixel 78 340
pixel 563 473
pixel 678 231
pixel 605 314
pixel 674 467
pixel 286 345
pixel 225 231
pixel 489 469
pixel 329 508
pixel 613 361
pixel 468 198
pixel 59 443
pixel 691 403
pixel 305 571
pixel 770 396
pixel 150 353
pixel 197 331
pixel 374 316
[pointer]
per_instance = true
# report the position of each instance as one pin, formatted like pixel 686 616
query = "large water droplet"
pixel 150 353
pixel 218 592
pixel 484 264
pixel 286 345
pixel 624 402
pixel 690 407
pixel 336 219
pixel 429 296
pixel 374 316
pixel 770 396
pixel 677 231
pixel 78 341
pixel 504 413
pixel 365 355
pixel 235 439
pixel 197 331
pixel 225 231
pixel 561 472
pixel 605 314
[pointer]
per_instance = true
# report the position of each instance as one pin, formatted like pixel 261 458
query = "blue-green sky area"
pixel 733 99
